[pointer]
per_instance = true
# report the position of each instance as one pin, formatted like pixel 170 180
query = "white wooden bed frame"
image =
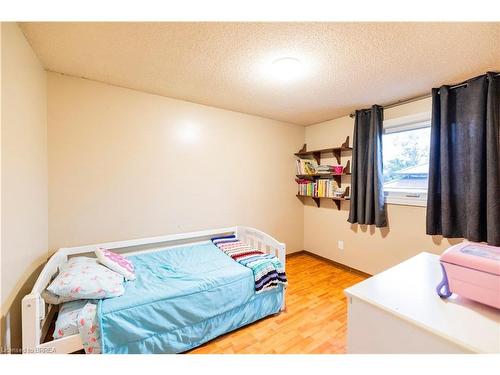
pixel 37 315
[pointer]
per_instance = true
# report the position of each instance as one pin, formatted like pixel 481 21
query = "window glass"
pixel 406 160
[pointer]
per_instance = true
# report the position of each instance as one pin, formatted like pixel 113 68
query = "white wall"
pixel 126 164
pixel 366 248
pixel 24 174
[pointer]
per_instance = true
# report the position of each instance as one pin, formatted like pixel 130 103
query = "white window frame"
pixel 404 123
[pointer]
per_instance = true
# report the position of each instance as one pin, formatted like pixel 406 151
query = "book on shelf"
pixel 310 166
pixel 321 188
pixel 329 169
pixel 306 166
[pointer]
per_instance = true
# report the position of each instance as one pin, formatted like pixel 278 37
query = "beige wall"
pixel 24 174
pixel 126 164
pixel 366 248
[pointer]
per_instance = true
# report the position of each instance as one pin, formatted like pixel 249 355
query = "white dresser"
pixel 398 311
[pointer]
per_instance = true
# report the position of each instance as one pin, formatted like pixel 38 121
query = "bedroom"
pixel 313 149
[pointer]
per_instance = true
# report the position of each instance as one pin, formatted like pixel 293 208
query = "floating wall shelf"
pixel 316 154
pixel 336 200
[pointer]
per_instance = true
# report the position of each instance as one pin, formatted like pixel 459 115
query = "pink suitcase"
pixel 471 270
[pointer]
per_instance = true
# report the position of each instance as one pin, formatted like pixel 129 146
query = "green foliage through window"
pixel 406 158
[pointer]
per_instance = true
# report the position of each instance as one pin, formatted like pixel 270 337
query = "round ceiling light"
pixel 287 68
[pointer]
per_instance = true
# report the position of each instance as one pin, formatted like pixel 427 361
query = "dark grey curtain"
pixel 367 196
pixel 464 170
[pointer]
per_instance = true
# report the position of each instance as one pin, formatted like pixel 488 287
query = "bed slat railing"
pixel 272 246
pixel 263 242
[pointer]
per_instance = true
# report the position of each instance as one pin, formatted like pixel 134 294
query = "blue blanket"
pixel 182 297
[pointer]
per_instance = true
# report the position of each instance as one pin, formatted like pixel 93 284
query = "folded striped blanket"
pixel 267 270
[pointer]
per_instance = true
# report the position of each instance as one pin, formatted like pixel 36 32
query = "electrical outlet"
pixel 340 245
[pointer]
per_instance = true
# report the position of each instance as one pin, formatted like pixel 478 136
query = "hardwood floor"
pixel 315 320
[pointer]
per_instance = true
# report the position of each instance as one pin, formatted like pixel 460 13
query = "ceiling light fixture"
pixel 287 68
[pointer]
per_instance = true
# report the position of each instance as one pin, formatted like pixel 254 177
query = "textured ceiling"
pixel 349 65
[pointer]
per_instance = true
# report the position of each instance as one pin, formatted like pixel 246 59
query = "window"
pixel 406 144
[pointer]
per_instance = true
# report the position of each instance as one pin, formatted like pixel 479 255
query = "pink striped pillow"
pixel 116 262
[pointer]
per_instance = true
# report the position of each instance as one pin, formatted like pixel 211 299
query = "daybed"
pixel 187 292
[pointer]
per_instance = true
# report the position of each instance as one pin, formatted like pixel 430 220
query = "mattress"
pixel 181 298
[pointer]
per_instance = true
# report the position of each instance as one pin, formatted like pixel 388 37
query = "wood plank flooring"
pixel 315 320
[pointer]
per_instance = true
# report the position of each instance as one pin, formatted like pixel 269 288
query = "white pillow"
pixel 85 278
pixel 116 262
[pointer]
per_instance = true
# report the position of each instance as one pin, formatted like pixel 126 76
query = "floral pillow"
pixel 116 262
pixel 85 278
pixel 80 317
pixel 67 319
pixel 88 326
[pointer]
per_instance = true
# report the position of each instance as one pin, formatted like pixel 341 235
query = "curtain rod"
pixel 414 99
pixel 399 102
